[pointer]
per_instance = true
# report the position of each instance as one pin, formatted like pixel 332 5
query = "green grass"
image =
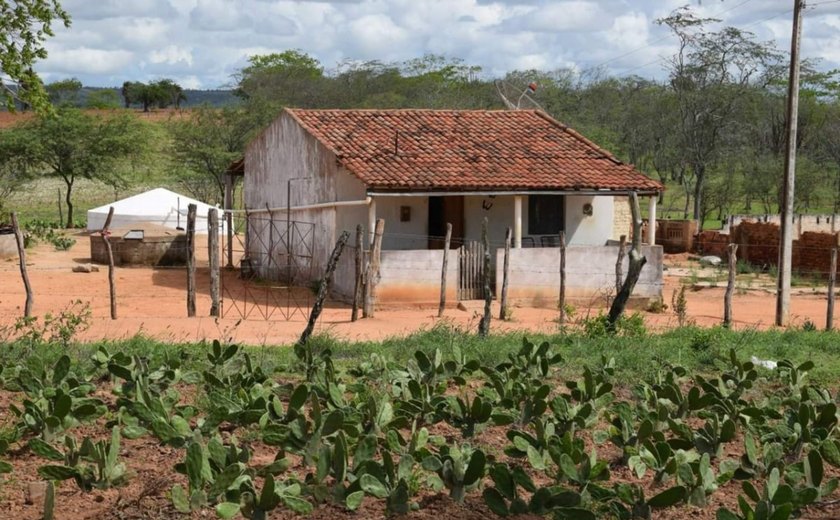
pixel 701 350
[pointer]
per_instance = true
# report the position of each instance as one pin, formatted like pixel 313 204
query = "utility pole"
pixel 786 239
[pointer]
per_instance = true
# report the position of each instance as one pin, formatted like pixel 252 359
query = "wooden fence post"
pixel 360 260
pixel 832 277
pixel 213 251
pixel 324 288
pixel 372 277
pixel 484 324
pixel 446 241
pixel 106 237
pixel 637 262
pixel 191 209
pixel 730 286
pixel 503 311
pixel 561 299
pixel 30 299
pixel 619 267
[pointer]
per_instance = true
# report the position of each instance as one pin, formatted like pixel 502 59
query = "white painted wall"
pixel 404 235
pixel 583 230
pixel 500 217
pixel 283 151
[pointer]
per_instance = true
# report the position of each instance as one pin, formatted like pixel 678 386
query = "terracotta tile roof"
pixel 467 150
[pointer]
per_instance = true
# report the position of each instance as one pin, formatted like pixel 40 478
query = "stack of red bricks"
pixel 758 244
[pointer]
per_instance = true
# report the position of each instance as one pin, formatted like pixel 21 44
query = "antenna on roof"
pixel 505 89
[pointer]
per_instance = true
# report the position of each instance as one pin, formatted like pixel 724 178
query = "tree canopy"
pixel 71 144
pixel 24 27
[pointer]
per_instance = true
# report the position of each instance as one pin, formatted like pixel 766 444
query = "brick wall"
pixel 758 244
pixel 812 252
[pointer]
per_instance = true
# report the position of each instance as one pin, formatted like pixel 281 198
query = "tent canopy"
pixel 158 206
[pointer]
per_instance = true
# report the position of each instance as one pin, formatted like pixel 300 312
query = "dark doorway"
pixel 441 211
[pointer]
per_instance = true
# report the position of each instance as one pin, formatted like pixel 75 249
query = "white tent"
pixel 158 206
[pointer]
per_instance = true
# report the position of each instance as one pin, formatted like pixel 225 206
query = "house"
pixel 421 169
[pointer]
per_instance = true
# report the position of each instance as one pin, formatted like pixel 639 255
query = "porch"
pixel 413 277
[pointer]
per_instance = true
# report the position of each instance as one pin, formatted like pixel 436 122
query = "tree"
pixel 71 144
pixel 167 93
pixel 161 93
pixel 130 92
pixel 102 99
pixel 710 74
pixel 288 78
pixel 24 27
pixel 64 92
pixel 14 171
pixel 207 143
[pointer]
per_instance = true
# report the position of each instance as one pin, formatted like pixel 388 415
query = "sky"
pixel 203 43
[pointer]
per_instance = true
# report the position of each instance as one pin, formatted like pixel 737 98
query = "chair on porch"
pixel 528 242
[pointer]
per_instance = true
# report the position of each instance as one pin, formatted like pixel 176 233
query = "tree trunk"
pixel 637 261
pixel 69 224
pixel 30 299
pixel 698 194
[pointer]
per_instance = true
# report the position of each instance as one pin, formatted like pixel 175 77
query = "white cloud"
pixel 218 15
pixel 203 42
pixel 171 54
pixel 83 60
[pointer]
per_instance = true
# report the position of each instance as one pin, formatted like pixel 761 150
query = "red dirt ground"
pixel 153 302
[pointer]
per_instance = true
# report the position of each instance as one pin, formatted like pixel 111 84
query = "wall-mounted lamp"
pixel 587 209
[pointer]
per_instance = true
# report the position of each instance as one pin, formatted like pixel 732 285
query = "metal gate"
pixel 270 270
pixel 471 285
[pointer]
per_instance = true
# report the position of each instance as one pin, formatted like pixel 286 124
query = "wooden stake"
pixel 730 286
pixel 484 324
pixel 832 278
pixel 213 252
pixel 360 273
pixel 637 262
pixel 619 263
pixel 503 315
pixel 324 288
pixel 106 237
pixel 561 299
pixel 372 277
pixel 191 209
pixel 30 300
pixel 446 241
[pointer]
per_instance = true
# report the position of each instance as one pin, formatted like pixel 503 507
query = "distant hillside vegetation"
pixel 216 98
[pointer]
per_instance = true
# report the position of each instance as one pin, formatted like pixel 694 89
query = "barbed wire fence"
pixel 267 282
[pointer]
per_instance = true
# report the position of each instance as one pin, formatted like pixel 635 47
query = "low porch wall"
pixel 590 271
pixel 413 277
pixel 410 277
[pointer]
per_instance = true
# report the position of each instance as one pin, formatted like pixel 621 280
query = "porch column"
pixel 371 220
pixel 652 219
pixel 517 221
